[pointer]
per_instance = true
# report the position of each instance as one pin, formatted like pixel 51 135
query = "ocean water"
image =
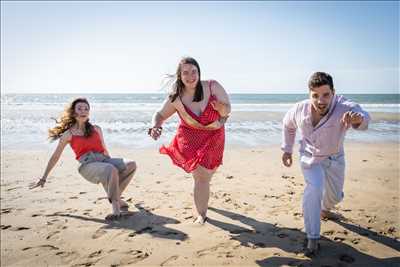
pixel 125 118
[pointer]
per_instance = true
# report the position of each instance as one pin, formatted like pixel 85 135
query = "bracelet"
pixel 223 119
pixel 157 128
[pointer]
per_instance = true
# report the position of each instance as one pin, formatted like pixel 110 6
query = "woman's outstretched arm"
pixel 161 115
pixel 64 139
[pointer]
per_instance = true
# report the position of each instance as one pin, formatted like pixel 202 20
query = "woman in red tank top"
pixel 198 146
pixel 87 142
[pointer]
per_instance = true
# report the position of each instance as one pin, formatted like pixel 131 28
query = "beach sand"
pixel 255 216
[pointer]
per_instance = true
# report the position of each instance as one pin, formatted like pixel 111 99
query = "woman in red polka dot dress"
pixel 198 146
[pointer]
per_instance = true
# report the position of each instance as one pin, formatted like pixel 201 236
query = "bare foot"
pixel 200 220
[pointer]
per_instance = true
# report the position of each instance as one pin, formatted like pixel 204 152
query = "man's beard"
pixel 324 111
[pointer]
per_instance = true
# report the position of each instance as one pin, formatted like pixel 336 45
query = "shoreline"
pixel 46 147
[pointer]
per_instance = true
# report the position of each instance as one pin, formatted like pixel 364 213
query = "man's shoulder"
pixel 344 102
pixel 301 104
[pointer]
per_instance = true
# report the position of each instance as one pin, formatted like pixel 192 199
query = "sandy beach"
pixel 255 216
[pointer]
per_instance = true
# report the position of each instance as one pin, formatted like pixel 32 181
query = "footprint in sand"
pixel 134 256
pixel 99 233
pixel 52 234
pixel 228 200
pixel 95 254
pixel 371 219
pixel 259 245
pixel 67 257
pixel 297 214
pixel 272 196
pixel 86 264
pixel 21 228
pixel 392 230
pixel 51 247
pixel 287 177
pixel 329 232
pixel 131 235
pixel 54 214
pixel 6 210
pixel 212 250
pixel 10 189
pixel 170 259
pixel 339 239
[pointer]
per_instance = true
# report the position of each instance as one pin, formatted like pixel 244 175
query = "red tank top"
pixel 81 144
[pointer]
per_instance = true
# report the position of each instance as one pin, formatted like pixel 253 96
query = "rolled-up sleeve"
pixel 289 130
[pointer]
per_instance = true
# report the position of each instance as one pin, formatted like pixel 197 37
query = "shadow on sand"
pixel 143 221
pixel 262 235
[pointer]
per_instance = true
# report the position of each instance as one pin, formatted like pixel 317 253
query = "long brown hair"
pixel 67 120
pixel 178 86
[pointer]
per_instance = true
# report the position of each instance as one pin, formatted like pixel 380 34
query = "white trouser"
pixel 324 189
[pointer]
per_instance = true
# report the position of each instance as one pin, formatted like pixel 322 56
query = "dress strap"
pixel 209 85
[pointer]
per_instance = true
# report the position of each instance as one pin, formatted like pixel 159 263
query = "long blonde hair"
pixel 67 120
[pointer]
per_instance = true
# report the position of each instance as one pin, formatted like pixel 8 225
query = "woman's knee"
pixel 202 173
pixel 202 180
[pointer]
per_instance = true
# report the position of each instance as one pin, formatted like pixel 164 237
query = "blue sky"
pixel 249 47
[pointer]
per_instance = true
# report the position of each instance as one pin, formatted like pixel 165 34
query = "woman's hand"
pixel 41 183
pixel 155 132
pixel 220 107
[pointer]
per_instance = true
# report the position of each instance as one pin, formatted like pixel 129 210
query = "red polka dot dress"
pixel 192 147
